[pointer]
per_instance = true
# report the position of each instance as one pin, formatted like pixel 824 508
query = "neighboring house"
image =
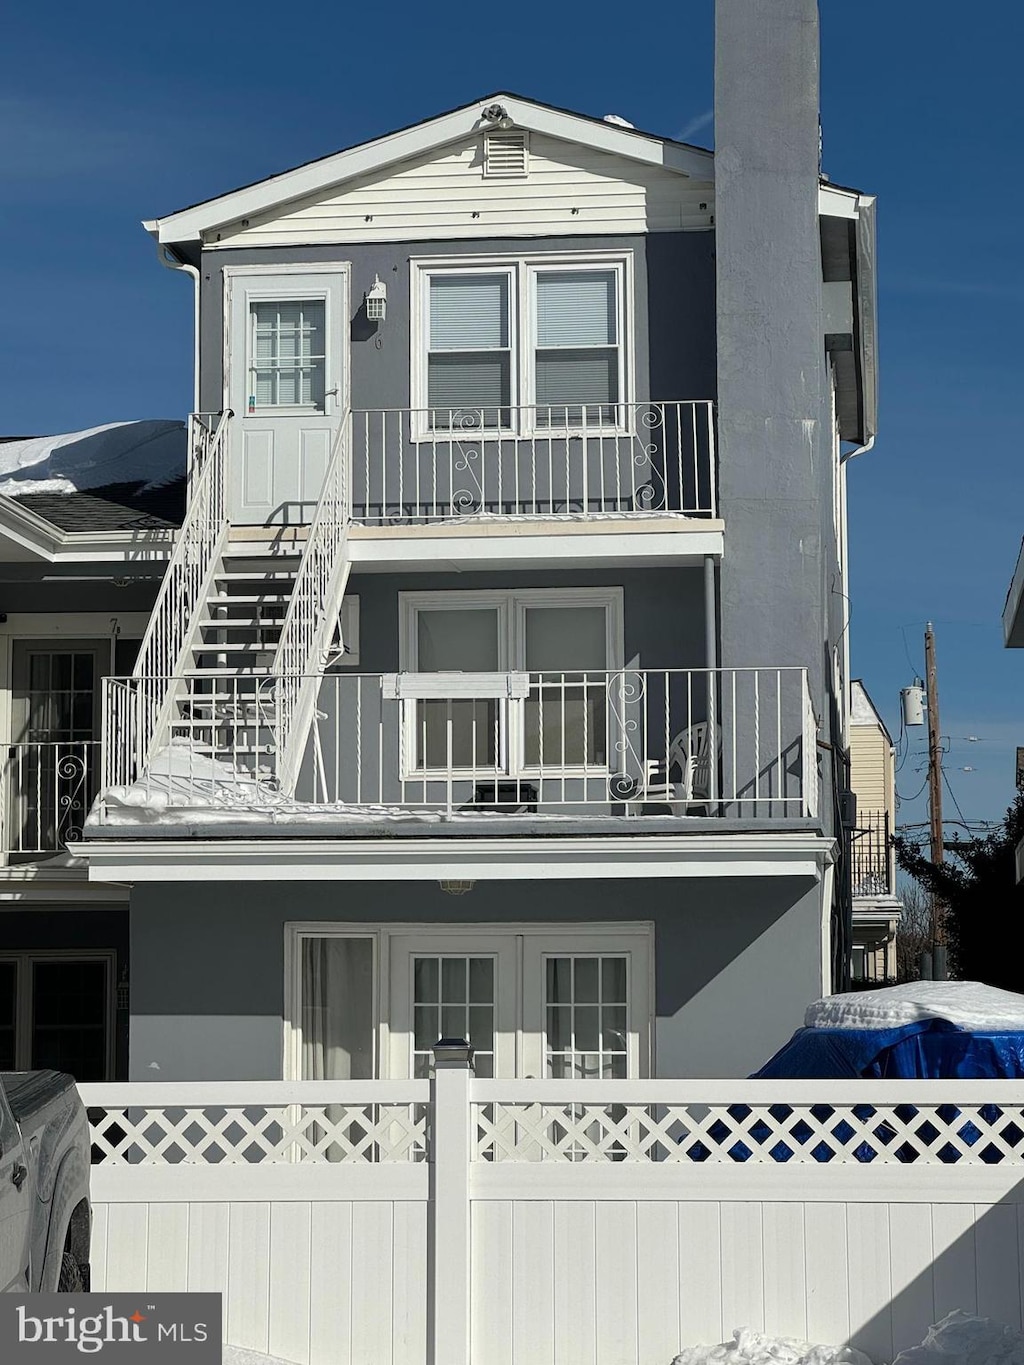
pixel 494 684
pixel 876 907
pixel 86 526
pixel 1013 636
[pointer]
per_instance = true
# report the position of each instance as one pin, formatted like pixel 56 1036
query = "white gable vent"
pixel 505 153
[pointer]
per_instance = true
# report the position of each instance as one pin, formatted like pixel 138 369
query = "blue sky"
pixel 118 112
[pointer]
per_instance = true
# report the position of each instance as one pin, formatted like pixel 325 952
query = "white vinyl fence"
pixel 544 1222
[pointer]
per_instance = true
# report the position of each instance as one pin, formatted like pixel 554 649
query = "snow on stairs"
pixel 227 707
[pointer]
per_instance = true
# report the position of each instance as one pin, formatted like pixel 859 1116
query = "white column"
pixel 448 1216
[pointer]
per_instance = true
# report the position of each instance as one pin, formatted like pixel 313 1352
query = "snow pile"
pixel 148 453
pixel 241 1355
pixel 968 1004
pixel 182 774
pixel 753 1348
pixel 963 1339
pixel 184 785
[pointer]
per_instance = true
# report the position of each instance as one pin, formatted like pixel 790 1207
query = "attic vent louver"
pixel 505 153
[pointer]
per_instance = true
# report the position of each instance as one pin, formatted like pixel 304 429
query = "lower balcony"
pixel 623 746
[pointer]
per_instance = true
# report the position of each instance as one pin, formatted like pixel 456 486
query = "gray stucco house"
pixel 495 683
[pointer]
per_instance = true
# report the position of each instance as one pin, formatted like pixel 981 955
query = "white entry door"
pixel 286 384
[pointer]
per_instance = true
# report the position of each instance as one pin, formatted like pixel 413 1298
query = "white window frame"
pixel 533 943
pixel 422 429
pixel 511 606
pixel 248 277
pixel 23 958
pixel 523 270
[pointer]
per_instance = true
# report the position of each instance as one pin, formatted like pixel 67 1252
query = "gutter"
pixel 167 258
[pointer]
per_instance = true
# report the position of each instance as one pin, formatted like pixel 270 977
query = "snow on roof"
pixel 151 454
pixel 969 1004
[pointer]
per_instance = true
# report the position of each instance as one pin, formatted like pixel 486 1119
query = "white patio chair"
pixel 690 753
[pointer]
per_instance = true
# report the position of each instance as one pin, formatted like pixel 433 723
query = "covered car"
pixel 921 1029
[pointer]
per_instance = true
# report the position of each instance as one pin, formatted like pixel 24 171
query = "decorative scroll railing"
pixel 416 466
pixel 47 789
pixel 629 742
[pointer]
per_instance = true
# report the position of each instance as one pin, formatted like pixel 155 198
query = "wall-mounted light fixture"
pixel 376 300
pixel 456 886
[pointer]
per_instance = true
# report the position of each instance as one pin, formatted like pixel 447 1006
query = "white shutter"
pixel 505 154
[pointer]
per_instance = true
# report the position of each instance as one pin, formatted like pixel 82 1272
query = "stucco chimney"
pixel 772 381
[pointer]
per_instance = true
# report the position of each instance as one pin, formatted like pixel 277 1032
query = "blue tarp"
pixel 930 1048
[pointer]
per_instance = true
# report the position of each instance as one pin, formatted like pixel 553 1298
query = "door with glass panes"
pixel 286 379
pixel 561 1005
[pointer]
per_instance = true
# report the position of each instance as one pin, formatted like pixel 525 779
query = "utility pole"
pixel 934 795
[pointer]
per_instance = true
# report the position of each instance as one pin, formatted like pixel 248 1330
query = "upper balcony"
pixel 616 482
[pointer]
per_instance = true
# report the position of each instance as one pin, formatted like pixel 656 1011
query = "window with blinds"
pixel 577 352
pixel 524 345
pixel 469 360
pixel 289 354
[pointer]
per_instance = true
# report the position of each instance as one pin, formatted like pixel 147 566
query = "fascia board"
pixel 189 224
pixel 836 203
pixel 1013 611
pixel 26 529
pixel 407 860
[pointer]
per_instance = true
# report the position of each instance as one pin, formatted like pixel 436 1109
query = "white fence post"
pixel 448 1235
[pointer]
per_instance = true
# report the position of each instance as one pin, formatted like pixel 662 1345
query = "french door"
pixel 286 385
pixel 533 1001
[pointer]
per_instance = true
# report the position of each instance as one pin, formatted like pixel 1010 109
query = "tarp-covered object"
pixel 930 1029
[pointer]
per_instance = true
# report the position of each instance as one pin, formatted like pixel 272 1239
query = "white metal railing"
pixel 721 742
pixel 413 465
pixel 186 580
pixel 46 789
pixel 313 611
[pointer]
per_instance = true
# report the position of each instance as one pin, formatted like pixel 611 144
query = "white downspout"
pixel 171 262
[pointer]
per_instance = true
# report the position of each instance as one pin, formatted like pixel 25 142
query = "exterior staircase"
pixel 225 705
pixel 229 670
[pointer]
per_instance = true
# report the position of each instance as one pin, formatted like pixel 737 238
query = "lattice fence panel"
pixel 983 1134
pixel 253 1134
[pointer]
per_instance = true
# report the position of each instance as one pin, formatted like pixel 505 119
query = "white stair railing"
pixel 186 582
pixel 313 612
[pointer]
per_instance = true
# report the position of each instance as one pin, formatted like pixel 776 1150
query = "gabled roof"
pixel 863 710
pixel 188 224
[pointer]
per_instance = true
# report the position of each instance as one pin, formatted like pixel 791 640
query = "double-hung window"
pixel 564 640
pixel 469 351
pixel 530 345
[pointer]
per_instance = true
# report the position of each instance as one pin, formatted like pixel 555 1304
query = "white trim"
pixel 291 1037
pixel 42 539
pixel 633 938
pixel 531 857
pixel 522 267
pixel 340 270
pixel 510 605
pixel 189 224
